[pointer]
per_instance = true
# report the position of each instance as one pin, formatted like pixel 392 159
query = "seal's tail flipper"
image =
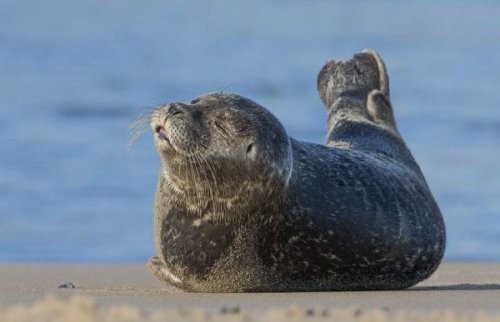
pixel 356 90
pixel 382 71
pixel 380 109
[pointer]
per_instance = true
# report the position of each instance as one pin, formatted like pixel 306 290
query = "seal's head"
pixel 222 153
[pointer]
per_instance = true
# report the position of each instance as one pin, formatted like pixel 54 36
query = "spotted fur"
pixel 240 206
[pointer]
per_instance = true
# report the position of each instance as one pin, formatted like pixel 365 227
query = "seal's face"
pixel 222 147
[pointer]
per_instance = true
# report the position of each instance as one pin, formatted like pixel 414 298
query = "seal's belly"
pixel 344 255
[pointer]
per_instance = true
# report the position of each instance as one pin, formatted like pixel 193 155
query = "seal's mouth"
pixel 160 131
pixel 161 134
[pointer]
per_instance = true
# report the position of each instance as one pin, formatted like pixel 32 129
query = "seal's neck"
pixel 221 201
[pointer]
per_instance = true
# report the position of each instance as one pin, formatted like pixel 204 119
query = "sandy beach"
pixel 456 292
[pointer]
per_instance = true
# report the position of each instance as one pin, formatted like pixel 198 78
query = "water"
pixel 73 75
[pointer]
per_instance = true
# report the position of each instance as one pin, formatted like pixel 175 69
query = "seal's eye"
pixel 221 128
pixel 196 100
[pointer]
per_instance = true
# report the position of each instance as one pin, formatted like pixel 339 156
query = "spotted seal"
pixel 241 206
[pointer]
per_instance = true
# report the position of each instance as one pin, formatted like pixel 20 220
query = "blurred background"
pixel 75 74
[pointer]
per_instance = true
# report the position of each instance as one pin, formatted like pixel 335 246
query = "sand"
pixel 456 292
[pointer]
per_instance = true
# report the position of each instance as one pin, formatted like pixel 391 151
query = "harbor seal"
pixel 242 207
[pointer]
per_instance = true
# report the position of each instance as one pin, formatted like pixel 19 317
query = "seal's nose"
pixel 162 115
pixel 174 109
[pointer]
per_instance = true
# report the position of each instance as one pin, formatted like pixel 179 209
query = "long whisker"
pixel 212 173
pixel 139 125
pixel 203 180
pixel 196 177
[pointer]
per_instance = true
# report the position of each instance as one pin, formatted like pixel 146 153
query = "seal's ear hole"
pixel 250 148
pixel 251 151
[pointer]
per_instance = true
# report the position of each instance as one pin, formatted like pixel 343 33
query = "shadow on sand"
pixel 458 287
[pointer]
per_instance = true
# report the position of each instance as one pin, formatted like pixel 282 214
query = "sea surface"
pixel 75 74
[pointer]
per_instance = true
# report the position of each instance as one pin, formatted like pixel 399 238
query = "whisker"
pixel 226 88
pixel 212 173
pixel 199 170
pixel 139 125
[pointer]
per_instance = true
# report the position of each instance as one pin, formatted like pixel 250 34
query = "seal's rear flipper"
pixel 356 90
pixel 380 109
pixel 354 78
pixel 382 71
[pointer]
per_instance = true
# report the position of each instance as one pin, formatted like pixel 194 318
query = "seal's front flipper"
pixel 161 271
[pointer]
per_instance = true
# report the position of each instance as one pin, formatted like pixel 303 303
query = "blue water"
pixel 74 74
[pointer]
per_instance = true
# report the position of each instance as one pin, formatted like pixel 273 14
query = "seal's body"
pixel 240 206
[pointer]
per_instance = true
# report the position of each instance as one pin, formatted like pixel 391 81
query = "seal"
pixel 242 207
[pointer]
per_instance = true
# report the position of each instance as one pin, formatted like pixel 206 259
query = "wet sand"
pixel 456 292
